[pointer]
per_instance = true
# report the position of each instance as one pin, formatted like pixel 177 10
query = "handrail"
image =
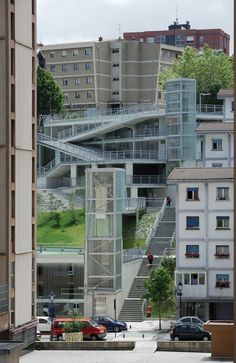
pixel 207 108
pixel 156 224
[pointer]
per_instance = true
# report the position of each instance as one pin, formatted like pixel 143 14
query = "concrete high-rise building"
pixel 108 74
pixel 181 35
pixel 18 175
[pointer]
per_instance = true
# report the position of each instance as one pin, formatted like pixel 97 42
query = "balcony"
pixel 222 284
pixel 192 255
pixel 210 109
pixel 146 179
pixel 221 255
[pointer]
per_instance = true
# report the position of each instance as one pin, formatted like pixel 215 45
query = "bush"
pixel 74 326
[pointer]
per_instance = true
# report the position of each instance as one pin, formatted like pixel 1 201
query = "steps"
pixel 132 310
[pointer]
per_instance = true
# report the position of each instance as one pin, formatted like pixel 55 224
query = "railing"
pixel 59 250
pixel 133 254
pixel 216 109
pixel 3 298
pixel 146 179
pixel 94 114
pixel 112 119
pixel 156 224
pixel 133 204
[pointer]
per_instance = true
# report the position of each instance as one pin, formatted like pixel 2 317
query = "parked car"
pixel 110 324
pixel 187 319
pixel 44 324
pixel 92 329
pixel 189 332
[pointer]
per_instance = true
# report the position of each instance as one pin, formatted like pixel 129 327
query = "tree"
pixel 212 71
pixel 169 264
pixel 49 95
pixel 158 289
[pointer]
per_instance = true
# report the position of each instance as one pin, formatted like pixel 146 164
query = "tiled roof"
pixel 215 127
pixel 197 174
pixel 227 92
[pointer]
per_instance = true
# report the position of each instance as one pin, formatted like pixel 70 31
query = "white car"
pixel 187 320
pixel 44 324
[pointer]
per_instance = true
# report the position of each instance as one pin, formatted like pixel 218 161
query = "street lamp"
pixel 51 311
pixel 200 99
pixel 179 293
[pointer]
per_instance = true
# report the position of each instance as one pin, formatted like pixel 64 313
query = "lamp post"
pixel 179 292
pixel 51 311
pixel 200 99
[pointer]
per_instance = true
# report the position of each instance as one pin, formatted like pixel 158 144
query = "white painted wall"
pixel 23 288
pixel 228 113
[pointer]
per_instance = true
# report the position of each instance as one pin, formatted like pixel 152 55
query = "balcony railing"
pixel 192 255
pixel 3 298
pixel 146 179
pixel 222 284
pixel 216 109
pixel 221 255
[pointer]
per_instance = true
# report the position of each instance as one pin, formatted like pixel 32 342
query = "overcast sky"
pixel 61 21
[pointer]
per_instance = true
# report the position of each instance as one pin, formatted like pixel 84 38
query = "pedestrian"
pixel 150 258
pixel 168 201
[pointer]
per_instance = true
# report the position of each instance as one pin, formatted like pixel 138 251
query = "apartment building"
pixel 107 74
pixel 181 35
pixel 18 173
pixel 204 241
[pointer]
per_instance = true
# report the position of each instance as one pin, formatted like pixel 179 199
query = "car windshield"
pixel 93 323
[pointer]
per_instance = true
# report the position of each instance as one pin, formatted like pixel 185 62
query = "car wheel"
pixel 116 329
pixel 205 339
pixel 94 337
pixel 176 339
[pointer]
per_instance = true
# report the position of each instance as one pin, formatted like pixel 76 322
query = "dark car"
pixel 110 324
pixel 189 332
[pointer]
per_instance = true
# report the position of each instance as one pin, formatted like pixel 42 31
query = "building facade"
pixel 181 35
pixel 18 172
pixel 204 241
pixel 108 74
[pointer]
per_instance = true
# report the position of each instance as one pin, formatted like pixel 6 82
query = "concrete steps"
pixel 132 310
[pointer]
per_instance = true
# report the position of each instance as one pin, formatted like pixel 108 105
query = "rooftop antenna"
pixel 119 31
pixel 176 11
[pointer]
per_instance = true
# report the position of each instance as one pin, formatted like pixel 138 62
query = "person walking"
pixel 168 201
pixel 150 258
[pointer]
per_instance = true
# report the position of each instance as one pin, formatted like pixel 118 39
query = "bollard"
pixel 130 327
pixel 143 336
pixel 123 335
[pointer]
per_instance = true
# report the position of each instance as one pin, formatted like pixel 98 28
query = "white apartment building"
pixel 227 95
pixel 204 240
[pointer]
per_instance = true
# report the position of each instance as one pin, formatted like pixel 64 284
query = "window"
pixel 201 279
pixel 186 279
pixel 115 93
pixel 217 165
pixel 150 40
pixel 222 222
pixel 161 39
pixel 194 279
pixel 88 80
pixel 52 68
pixel 65 82
pixel 115 79
pixel 222 251
pixel 115 50
pixel 222 280
pixel 222 193
pixel 76 67
pixel 64 67
pixel 201 39
pixel 87 51
pixel 52 54
pixel 114 65
pixel 77 80
pixel 63 53
pixel 192 222
pixel 75 52
pixel 179 39
pixel 217 144
pixel 89 94
pixel 192 194
pixel 192 251
pixel 66 96
pixel 88 66
pixel 77 95
pixel 232 106
pixel 190 39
